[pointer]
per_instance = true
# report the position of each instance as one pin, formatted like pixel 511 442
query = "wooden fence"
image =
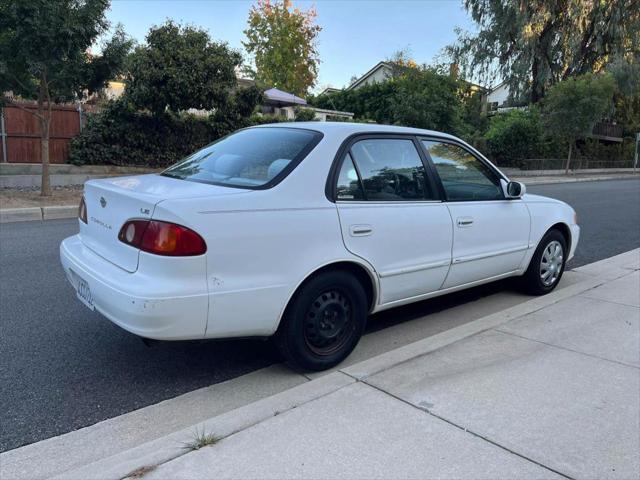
pixel 20 132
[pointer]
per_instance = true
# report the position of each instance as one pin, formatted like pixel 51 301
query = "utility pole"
pixel 635 160
pixel 3 134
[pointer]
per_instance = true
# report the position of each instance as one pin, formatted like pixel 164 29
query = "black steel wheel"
pixel 328 322
pixel 324 321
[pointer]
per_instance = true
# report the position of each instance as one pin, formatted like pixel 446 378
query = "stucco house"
pixel 379 73
pixel 497 97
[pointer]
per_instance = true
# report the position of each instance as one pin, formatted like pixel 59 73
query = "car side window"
pixel 463 176
pixel 349 186
pixel 391 170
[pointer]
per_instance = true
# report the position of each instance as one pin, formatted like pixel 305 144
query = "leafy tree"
pixel 533 45
pixel 572 107
pixel 514 136
pixel 180 67
pixel 282 41
pixel 627 96
pixel 425 99
pixel 474 119
pixel 44 56
pixel 401 61
pixel 419 97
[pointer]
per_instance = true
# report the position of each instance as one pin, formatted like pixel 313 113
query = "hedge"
pixel 120 135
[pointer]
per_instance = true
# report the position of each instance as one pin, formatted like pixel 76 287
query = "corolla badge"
pixel 103 202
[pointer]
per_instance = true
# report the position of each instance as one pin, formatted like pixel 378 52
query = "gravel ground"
pixel 30 197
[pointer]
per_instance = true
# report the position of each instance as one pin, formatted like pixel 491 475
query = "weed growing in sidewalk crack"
pixel 201 439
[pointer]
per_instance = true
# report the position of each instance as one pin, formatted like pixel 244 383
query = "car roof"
pixel 349 128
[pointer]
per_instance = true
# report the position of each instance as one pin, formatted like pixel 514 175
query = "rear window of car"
pixel 251 158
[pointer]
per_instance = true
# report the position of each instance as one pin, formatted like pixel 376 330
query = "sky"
pixel 356 34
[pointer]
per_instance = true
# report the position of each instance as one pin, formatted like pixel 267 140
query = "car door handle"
pixel 464 222
pixel 360 230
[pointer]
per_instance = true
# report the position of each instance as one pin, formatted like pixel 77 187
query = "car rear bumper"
pixel 170 302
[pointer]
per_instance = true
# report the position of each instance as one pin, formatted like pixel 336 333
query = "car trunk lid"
pixel 111 202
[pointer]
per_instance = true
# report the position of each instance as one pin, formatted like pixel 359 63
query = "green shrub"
pixel 120 135
pixel 515 136
pixel 304 114
pixel 602 152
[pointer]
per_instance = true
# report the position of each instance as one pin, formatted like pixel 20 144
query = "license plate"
pixel 83 291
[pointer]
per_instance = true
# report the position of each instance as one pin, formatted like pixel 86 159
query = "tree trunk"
pixel 535 95
pixel 45 188
pixel 45 124
pixel 566 170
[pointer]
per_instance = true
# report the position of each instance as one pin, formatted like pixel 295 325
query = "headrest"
pixel 277 166
pixel 228 164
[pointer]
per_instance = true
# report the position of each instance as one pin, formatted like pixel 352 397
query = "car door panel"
pixel 409 244
pixel 490 233
pixel 494 243
pixel 391 216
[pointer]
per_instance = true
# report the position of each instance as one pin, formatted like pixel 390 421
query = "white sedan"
pixel 299 231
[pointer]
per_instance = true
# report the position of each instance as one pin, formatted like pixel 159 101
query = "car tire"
pixel 547 264
pixel 323 322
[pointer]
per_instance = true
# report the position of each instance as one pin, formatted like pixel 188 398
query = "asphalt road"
pixel 63 367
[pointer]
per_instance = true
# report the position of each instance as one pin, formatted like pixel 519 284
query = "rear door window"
pixel 349 186
pixel 390 170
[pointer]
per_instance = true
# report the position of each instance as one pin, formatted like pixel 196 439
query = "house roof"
pixel 493 89
pixel 376 67
pixel 278 97
pixel 329 90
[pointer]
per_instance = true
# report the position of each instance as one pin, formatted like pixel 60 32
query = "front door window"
pixel 463 176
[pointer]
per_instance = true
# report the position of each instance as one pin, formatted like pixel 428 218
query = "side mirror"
pixel 513 189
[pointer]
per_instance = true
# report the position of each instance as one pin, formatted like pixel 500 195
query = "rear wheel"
pixel 547 264
pixel 323 322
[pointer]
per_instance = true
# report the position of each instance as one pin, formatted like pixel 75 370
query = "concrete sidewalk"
pixel 549 388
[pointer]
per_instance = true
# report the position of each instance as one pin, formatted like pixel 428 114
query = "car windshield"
pixel 251 158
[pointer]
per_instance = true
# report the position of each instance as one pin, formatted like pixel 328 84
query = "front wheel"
pixel 323 322
pixel 547 264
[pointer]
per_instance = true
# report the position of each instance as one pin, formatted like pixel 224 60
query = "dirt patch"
pixel 30 197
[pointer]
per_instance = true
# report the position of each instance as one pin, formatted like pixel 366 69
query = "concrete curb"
pixel 9 215
pixel 167 448
pixel 516 172
pixel 549 181
pixel 55 212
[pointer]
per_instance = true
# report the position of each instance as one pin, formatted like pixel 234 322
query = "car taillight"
pixel 82 211
pixel 162 238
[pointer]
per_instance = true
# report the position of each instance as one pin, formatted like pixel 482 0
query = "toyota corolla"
pixel 300 231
